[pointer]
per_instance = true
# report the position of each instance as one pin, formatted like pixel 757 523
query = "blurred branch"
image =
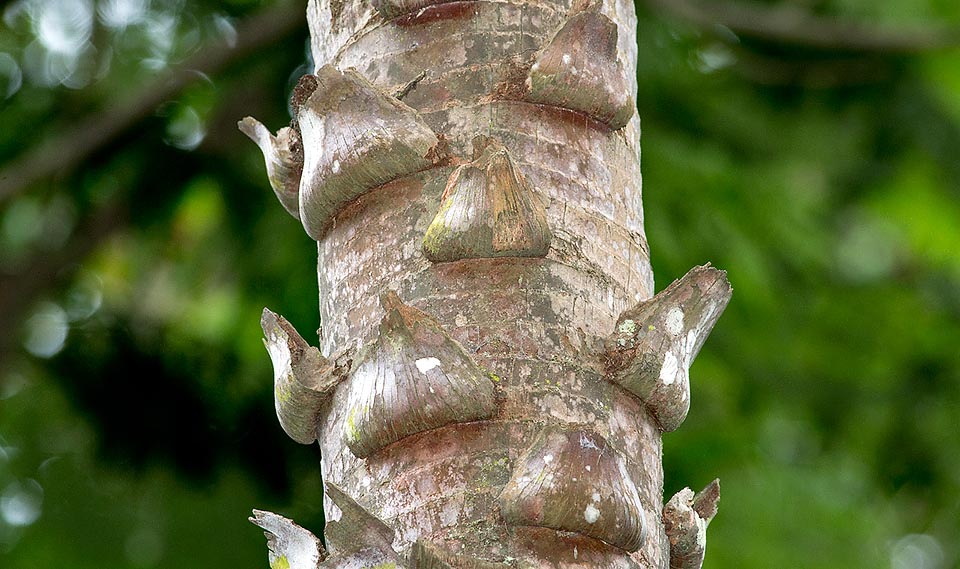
pixel 827 74
pixel 18 291
pixel 785 23
pixel 64 152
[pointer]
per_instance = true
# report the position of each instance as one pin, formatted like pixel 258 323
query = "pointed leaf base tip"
pixel 487 210
pixel 685 520
pixel 413 379
pixel 357 529
pixel 655 342
pixel 355 138
pixel 707 501
pixel 570 480
pixel 424 555
pixel 289 545
pixel 283 155
pixel 578 70
pixel 303 379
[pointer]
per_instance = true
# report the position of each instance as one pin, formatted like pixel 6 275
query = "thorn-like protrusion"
pixel 707 501
pixel 289 545
pixel 357 529
pixel 578 69
pixel 303 379
pixel 355 137
pixel 655 342
pixel 414 378
pixel 487 210
pixel 685 520
pixel 425 555
pixel 283 155
pixel 569 480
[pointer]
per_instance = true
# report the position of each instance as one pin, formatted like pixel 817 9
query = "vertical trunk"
pixel 493 376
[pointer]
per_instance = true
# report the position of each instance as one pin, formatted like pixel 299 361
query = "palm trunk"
pixel 493 377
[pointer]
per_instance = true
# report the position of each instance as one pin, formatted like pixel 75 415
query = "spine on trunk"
pixel 578 70
pixel 487 210
pixel 414 378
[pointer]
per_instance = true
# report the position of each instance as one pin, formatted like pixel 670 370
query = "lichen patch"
pixel 668 372
pixel 674 321
pixel 427 364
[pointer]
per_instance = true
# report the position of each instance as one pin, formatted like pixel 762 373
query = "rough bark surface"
pixel 481 252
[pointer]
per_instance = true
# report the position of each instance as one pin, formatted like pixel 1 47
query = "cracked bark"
pixel 482 254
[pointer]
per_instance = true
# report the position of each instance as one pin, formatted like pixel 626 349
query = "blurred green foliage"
pixel 136 421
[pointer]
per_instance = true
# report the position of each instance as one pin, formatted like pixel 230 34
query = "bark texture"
pixel 494 374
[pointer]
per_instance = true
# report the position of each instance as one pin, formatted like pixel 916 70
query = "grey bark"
pixel 481 252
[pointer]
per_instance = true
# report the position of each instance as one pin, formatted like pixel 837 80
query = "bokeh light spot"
pixel 84 299
pixel 715 57
pixel 21 503
pixel 917 551
pixel 64 26
pixel 11 78
pixel 12 384
pixel 121 13
pixel 185 129
pixel 46 330
pixel 226 29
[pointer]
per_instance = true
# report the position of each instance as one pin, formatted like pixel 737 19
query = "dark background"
pixel 809 147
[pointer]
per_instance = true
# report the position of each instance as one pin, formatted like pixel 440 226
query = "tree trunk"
pixel 493 377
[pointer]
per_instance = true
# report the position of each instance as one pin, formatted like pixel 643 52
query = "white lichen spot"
pixel 689 345
pixel 410 534
pixel 566 59
pixel 628 326
pixel 450 514
pixel 668 373
pixel 427 364
pixel 595 497
pixel 587 442
pixel 675 321
pixel 335 167
pixel 548 459
pixel 576 553
pixel 591 514
pixel 589 468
